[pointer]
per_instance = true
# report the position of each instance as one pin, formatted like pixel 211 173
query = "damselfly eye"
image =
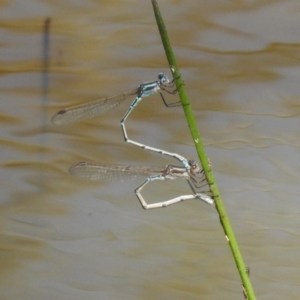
pixel 195 169
pixel 163 79
pixel 192 163
pixel 161 76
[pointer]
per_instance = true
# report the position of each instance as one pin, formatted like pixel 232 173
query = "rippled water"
pixel 66 238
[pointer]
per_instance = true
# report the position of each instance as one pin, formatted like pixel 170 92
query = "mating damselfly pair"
pixel 189 170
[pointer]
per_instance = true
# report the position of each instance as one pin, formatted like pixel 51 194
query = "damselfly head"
pixel 163 79
pixel 195 169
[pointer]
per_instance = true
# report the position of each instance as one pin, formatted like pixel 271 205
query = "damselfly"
pixel 95 108
pixel 193 174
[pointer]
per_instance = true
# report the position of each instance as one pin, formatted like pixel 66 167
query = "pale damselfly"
pixel 193 174
pixel 98 107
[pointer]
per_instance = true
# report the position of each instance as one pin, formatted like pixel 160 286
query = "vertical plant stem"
pixel 242 269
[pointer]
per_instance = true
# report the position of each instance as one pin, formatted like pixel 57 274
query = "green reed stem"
pixel 202 155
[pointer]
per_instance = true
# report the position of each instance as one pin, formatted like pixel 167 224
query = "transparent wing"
pixel 90 109
pixel 98 171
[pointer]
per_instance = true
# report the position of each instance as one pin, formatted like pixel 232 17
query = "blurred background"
pixel 67 238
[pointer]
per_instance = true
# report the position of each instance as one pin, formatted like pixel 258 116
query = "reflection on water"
pixel 62 237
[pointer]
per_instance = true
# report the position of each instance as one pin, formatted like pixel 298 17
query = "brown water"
pixel 65 238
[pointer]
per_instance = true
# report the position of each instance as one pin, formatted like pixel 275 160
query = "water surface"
pixel 66 238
